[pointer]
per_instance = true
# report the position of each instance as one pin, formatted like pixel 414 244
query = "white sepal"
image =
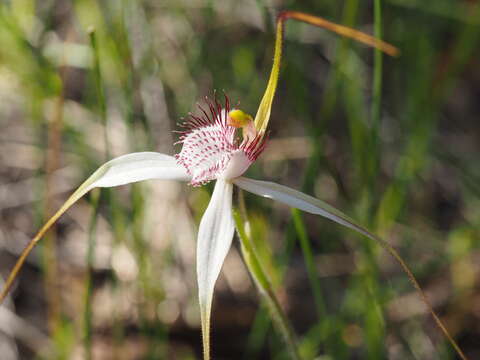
pixel 119 171
pixel 139 166
pixel 300 201
pixel 214 239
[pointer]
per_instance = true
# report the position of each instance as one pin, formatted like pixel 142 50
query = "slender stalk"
pixel 258 333
pixel 99 88
pixel 377 90
pixel 50 245
pixel 96 195
pixel 87 325
pixel 262 281
pixel 371 290
pixel 309 262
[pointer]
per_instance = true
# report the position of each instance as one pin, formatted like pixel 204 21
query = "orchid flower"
pixel 220 145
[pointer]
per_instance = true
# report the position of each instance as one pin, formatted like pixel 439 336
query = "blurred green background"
pixel 393 142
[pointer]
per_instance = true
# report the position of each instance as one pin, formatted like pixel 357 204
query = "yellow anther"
pixel 239 119
pixel 244 121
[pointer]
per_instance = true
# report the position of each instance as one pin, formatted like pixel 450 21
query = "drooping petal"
pixel 312 205
pixel 300 201
pixel 214 239
pixel 119 171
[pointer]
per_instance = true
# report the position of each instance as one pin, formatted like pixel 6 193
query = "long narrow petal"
pixel 312 205
pixel 137 167
pixel 298 200
pixel 119 171
pixel 214 239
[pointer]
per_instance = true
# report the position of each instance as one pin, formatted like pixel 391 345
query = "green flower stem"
pixel 262 281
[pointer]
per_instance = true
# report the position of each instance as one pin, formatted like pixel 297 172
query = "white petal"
pixel 300 201
pixel 137 167
pixel 312 205
pixel 214 239
pixel 122 170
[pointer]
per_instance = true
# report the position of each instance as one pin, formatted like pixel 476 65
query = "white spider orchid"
pixel 213 148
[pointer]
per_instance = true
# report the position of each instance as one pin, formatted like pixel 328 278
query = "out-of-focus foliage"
pixel 116 280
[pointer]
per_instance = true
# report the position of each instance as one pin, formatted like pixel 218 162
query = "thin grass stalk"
pixel 309 262
pixel 96 196
pixel 50 260
pixel 377 86
pixel 376 118
pixel 262 280
pixel 373 315
pixel 97 75
pixel 258 333
pixel 305 244
pixel 90 259
pixel 141 136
